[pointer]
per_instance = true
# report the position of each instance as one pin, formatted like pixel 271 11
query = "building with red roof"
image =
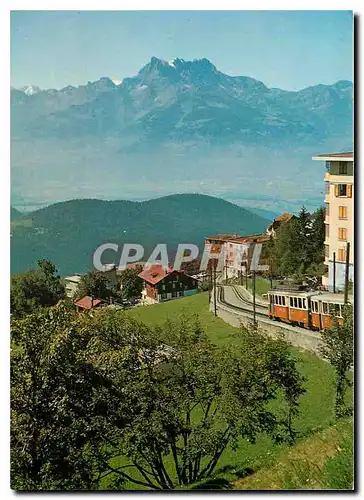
pixel 87 303
pixel 165 284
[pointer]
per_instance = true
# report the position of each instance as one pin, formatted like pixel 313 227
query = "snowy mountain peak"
pixel 30 89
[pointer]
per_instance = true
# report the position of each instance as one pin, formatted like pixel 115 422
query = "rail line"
pixel 241 297
pixel 221 296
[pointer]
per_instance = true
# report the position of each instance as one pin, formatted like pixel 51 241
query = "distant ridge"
pixel 69 232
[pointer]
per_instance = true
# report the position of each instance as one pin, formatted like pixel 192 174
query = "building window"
pixel 327 211
pixel 174 294
pixel 343 212
pixel 173 285
pixel 327 187
pixel 341 190
pixel 328 165
pixel 163 287
pixel 342 233
pixel 327 230
pixel 326 250
pixel 343 168
pixel 342 254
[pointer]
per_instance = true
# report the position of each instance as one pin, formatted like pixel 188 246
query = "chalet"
pixel 165 284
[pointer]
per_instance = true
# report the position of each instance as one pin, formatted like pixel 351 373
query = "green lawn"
pixel 316 405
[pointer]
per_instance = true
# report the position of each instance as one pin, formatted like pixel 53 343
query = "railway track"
pixel 242 298
pixel 221 298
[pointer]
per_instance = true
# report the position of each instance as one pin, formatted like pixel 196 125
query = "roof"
pixel 85 302
pixel 285 217
pixel 346 156
pixel 253 238
pixel 156 273
pixel 337 298
pixel 222 237
pixel 76 278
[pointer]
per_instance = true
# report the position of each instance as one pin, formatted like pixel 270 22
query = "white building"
pixel 339 217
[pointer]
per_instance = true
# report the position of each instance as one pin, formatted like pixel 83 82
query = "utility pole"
pixel 226 276
pixel 210 279
pixel 215 309
pixel 254 312
pixel 346 296
pixel 241 273
pixel 270 273
pixel 334 272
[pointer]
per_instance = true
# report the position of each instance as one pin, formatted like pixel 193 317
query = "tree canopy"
pixel 35 288
pixel 298 248
pixel 132 285
pixel 106 398
pixel 97 284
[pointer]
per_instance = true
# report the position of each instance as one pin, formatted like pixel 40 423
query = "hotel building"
pixel 339 217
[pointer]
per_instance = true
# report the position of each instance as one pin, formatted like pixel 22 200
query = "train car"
pixel 300 308
pixel 323 306
pixel 311 310
pixel 278 305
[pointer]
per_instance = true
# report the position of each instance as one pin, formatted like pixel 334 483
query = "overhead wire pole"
pixel 346 296
pixel 254 312
pixel 334 272
pixel 215 308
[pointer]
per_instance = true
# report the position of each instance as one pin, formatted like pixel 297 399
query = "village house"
pixel 239 251
pixel 214 244
pixel 165 284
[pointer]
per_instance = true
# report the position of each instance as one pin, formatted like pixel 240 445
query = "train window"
pixel 280 300
pixel 340 311
pixel 291 302
pixel 283 301
pixel 295 301
pixel 324 308
pixel 300 303
pixel 337 309
pixel 304 303
pixel 275 299
pixel 314 307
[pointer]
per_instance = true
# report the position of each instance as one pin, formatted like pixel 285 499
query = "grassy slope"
pixel 316 408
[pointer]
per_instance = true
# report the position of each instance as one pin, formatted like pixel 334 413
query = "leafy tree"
pixel 97 284
pixel 55 416
pixel 298 249
pixel 131 283
pixel 337 348
pixel 106 398
pixel 35 288
pixel 190 401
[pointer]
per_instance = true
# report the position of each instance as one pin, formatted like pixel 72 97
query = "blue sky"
pixel 285 49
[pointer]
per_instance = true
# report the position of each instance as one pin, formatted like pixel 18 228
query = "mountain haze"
pixel 175 126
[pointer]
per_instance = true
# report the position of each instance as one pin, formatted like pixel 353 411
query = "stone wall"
pixel 298 337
